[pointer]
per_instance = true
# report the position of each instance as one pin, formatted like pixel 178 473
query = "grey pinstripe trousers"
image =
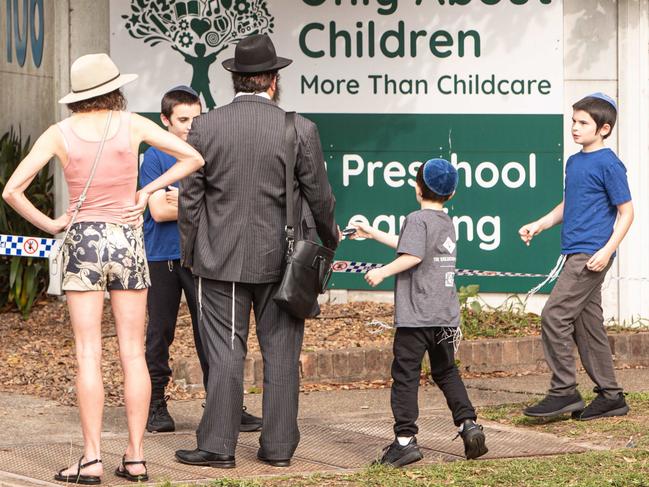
pixel 280 339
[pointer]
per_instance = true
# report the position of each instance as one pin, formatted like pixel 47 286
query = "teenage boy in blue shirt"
pixel 596 194
pixel 169 279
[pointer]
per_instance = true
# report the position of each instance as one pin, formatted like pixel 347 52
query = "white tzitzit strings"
pixel 200 298
pixel 233 316
pixel 452 334
pixel 554 273
pixel 377 327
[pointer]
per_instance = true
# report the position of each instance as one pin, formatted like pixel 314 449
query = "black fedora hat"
pixel 255 54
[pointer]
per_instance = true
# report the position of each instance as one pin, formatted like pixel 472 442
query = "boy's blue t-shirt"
pixel 595 185
pixel 161 240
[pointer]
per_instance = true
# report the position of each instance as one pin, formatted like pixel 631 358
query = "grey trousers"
pixel 573 315
pixel 280 339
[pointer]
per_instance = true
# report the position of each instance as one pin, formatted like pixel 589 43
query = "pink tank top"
pixel 114 184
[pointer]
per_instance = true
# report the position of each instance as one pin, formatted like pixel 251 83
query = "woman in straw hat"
pixel 104 249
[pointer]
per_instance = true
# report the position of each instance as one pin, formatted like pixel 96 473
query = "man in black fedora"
pixel 232 216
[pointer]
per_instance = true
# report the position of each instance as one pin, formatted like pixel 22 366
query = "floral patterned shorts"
pixel 100 256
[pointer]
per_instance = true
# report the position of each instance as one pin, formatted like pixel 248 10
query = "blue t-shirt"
pixel 595 185
pixel 161 240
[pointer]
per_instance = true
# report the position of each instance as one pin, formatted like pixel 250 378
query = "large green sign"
pixel 391 84
pixel 510 169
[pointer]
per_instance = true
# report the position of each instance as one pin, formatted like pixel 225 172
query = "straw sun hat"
pixel 93 75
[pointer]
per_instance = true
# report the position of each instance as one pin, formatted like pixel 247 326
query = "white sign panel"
pixel 353 56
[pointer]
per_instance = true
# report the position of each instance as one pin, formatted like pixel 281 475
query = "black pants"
pixel 168 280
pixel 410 345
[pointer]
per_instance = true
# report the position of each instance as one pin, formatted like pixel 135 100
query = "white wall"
pixel 26 91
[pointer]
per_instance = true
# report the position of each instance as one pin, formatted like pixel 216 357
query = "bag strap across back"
pixel 289 165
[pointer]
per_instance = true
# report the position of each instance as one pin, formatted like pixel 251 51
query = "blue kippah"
pixel 186 89
pixel 440 176
pixel 604 97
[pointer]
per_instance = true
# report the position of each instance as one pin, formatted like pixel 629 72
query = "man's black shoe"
pixel 601 407
pixel 397 456
pixel 474 439
pixel 249 422
pixel 205 458
pixel 552 405
pixel 261 456
pixel 159 420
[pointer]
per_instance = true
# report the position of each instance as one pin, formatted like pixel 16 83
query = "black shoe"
pixel 285 462
pixel 552 405
pixel 205 458
pixel 601 407
pixel 160 421
pixel 397 456
pixel 249 422
pixel 473 438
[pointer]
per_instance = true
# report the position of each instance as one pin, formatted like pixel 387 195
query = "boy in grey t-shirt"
pixel 427 314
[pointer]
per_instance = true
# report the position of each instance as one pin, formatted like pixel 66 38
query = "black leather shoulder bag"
pixel 307 264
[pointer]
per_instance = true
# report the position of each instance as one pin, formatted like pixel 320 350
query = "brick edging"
pixel 517 355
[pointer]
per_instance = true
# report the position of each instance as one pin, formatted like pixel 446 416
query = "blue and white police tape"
pixel 17 245
pixel 358 267
pixel 21 246
pixel 355 267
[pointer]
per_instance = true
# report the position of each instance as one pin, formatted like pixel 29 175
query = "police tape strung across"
pixel 363 267
pixel 21 246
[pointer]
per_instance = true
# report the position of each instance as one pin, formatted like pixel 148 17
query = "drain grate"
pixel 437 433
pixel 41 462
pixel 323 448
pixel 341 448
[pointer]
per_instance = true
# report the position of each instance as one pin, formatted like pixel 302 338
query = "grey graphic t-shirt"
pixel 425 294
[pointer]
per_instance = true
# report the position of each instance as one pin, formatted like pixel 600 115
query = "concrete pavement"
pixel 341 430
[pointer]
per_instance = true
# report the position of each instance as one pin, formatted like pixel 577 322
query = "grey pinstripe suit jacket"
pixel 232 211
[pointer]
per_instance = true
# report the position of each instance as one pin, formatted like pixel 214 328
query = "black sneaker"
pixel 601 407
pixel 160 421
pixel 397 456
pixel 473 438
pixel 552 405
pixel 249 422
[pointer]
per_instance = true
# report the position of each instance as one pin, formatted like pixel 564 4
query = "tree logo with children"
pixel 198 30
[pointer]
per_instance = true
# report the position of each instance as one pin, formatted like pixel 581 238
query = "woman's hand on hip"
pixel 133 214
pixel 60 224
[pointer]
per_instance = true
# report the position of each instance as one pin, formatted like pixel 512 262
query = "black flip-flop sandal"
pixel 78 478
pixel 123 472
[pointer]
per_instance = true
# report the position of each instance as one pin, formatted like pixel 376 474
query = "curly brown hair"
pixel 110 101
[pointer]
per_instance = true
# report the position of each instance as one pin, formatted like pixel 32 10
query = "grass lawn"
pixel 621 466
pixel 608 432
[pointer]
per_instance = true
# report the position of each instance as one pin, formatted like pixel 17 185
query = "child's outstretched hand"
pixel 527 232
pixel 362 231
pixel 374 277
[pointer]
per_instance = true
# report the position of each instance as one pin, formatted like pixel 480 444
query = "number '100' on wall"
pixel 24 25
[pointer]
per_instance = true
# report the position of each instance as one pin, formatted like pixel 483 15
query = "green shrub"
pixel 479 320
pixel 22 279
